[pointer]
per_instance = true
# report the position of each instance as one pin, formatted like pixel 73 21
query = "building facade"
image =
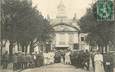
pixel 67 31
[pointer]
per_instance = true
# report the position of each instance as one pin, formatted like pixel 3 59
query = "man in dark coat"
pixel 108 62
pixel 20 60
pixel 80 59
pixel 15 61
pixel 24 60
pixel 5 60
pixel 28 61
pixel 86 59
pixel 57 57
pixel 40 59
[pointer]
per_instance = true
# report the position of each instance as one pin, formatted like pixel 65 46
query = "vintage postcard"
pixel 57 35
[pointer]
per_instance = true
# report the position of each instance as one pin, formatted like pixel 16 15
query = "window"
pixel 76 46
pixel 62 39
pixel 82 38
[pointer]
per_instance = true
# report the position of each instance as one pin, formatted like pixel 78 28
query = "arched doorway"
pixel 66 36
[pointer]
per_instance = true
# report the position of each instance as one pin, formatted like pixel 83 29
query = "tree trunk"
pixel 11 50
pixel 23 49
pixel 18 46
pixel 31 48
pixel 106 49
pixel 3 44
pixel 1 55
pixel 101 49
pixel 26 49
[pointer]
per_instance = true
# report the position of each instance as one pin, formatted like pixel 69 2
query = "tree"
pixel 23 25
pixel 100 33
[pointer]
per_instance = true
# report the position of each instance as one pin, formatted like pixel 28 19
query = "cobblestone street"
pixel 56 68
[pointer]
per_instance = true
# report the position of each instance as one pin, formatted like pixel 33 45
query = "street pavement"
pixel 59 67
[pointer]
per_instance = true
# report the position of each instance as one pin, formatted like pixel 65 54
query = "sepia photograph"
pixel 57 35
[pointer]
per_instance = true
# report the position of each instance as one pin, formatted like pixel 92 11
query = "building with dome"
pixel 67 32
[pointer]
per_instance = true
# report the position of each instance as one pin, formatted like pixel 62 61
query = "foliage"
pixel 22 24
pixel 100 33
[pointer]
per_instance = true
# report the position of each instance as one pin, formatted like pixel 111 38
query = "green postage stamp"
pixel 105 10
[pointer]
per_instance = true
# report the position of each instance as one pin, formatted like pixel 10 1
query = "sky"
pixel 49 7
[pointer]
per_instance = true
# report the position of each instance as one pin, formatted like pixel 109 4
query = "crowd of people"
pixel 21 60
pixel 58 56
pixel 80 59
pixel 100 62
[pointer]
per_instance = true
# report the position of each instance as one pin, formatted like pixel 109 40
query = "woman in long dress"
pixel 45 55
pixel 52 54
pixel 98 60
pixel 67 58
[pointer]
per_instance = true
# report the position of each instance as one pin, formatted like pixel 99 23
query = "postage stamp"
pixel 105 10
